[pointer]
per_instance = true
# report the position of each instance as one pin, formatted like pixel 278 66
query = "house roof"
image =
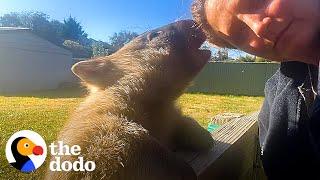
pixel 23 39
pixel 14 29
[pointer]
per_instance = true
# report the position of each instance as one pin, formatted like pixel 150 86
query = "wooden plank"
pixel 234 155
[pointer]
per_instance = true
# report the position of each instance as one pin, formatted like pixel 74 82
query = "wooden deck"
pixel 235 154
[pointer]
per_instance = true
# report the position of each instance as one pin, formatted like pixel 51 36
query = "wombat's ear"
pixel 86 70
pixel 98 73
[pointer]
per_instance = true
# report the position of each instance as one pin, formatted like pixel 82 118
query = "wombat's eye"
pixel 153 35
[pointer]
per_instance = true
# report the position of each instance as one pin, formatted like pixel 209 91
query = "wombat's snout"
pixel 193 38
pixel 192 32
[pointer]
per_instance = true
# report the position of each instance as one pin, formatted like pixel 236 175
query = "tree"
pixel 260 59
pixel 57 28
pixel 38 22
pixel 40 25
pixel 100 48
pixel 247 58
pixel 72 30
pixel 221 55
pixel 78 50
pixel 11 20
pixel 118 40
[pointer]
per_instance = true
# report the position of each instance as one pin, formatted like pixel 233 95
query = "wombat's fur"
pixel 129 124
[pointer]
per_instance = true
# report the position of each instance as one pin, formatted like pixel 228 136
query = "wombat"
pixel 129 124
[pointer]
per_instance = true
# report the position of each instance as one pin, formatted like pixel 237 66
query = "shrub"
pixel 78 50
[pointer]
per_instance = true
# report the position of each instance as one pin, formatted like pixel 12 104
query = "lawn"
pixel 46 115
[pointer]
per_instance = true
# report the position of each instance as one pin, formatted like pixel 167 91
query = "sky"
pixel 101 18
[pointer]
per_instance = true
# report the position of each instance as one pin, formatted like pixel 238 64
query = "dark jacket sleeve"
pixel 284 124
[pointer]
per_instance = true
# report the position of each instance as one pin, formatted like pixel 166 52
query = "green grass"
pixel 46 113
pixel 203 107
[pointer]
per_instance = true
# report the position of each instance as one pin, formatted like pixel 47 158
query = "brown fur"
pixel 129 124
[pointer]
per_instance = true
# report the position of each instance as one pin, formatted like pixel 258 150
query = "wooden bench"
pixel 235 154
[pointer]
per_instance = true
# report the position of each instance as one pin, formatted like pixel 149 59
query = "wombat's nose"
pixel 192 32
pixel 186 24
pixel 190 29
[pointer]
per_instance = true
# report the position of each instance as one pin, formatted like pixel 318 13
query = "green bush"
pixel 78 50
pixel 101 49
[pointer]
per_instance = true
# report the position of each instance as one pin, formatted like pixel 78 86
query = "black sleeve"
pixel 286 149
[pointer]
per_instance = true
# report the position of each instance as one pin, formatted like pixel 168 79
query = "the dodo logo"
pixel 26 151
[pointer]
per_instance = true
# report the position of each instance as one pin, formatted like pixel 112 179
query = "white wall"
pixel 29 63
